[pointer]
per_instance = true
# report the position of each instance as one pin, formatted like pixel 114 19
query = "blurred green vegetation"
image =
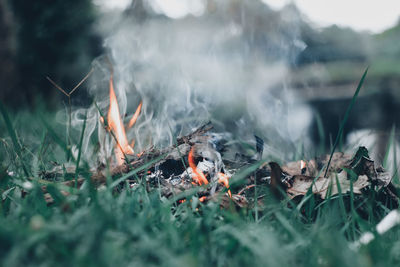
pixel 51 38
pixel 333 44
pixel 342 53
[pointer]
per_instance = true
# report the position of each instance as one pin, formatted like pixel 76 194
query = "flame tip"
pixel 116 126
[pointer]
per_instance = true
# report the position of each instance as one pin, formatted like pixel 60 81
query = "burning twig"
pixel 198 176
pixel 224 179
pixel 244 189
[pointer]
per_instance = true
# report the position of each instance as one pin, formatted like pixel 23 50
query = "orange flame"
pixel 302 164
pixel 116 126
pixel 198 176
pixel 224 179
pixel 135 116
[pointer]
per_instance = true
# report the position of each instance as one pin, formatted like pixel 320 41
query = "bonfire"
pixel 197 160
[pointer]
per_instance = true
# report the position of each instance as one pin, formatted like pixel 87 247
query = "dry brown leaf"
pixel 322 185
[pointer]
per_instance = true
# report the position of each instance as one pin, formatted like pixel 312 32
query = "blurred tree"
pixel 8 76
pixel 387 43
pixel 333 44
pixel 139 10
pixel 54 38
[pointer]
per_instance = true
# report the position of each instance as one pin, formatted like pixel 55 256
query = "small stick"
pixel 246 188
pixel 69 104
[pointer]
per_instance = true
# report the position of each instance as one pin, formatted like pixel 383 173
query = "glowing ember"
pixel 198 176
pixel 203 198
pixel 116 126
pixel 224 179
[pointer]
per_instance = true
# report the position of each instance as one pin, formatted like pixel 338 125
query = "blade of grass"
pixel 309 191
pixel 342 206
pixel 353 212
pixel 59 141
pixel 42 148
pixel 340 139
pixel 321 132
pixel 346 116
pixel 341 201
pixel 389 145
pixel 13 135
pixel 354 216
pixel 255 198
pixel 395 176
pixel 80 150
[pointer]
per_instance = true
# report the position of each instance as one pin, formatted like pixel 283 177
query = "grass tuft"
pixel 134 226
pixel 14 139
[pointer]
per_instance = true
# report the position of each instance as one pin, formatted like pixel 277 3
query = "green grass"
pixel 346 116
pixel 140 228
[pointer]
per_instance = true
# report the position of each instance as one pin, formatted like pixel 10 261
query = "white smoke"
pixel 229 65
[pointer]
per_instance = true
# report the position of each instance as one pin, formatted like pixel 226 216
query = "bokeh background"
pixel 278 55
